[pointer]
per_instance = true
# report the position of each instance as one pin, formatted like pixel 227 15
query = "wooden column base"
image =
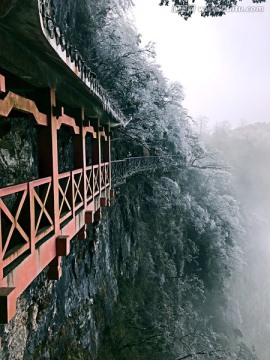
pixel 55 269
pixel 104 202
pixel 7 304
pixel 2 84
pixel 89 217
pixel 62 245
pixel 98 215
pixel 82 235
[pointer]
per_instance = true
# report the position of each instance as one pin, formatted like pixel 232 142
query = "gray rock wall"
pixel 66 319
pixel 18 151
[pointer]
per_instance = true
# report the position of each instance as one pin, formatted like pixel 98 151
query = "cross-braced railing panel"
pixel 96 179
pixel 41 208
pixel 14 232
pixel 65 196
pixel 77 188
pixel 70 186
pixel 89 183
pixel 104 175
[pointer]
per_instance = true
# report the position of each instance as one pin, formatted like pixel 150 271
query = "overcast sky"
pixel 223 63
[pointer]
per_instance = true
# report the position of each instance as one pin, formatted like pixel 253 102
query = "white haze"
pixel 223 63
pixel 224 66
pixel 247 149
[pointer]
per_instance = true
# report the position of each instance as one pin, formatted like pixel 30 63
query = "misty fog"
pixel 247 151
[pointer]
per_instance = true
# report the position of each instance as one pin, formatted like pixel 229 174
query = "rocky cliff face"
pixel 65 319
pixel 18 161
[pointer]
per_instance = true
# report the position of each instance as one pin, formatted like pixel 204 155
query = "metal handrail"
pixel 122 169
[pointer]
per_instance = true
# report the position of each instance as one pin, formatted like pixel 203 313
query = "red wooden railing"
pixel 34 198
pixel 28 241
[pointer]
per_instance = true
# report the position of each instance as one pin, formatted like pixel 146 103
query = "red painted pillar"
pixel 96 160
pixel 1 255
pixel 2 83
pixel 96 154
pixel 80 163
pixel 79 152
pixel 96 149
pixel 2 89
pixel 106 146
pixel 89 131
pixel 55 269
pixel 7 304
pixel 107 152
pixel 48 164
pixel 48 153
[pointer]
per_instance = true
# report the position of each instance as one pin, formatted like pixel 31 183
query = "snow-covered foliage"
pixel 187 223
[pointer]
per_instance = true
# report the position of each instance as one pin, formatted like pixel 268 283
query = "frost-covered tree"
pixel 184 221
pixel 211 8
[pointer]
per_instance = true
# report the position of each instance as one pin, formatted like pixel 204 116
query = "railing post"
pixel 95 153
pixel 96 150
pixel 1 252
pixel 72 194
pixel 99 161
pixel 7 304
pixel 79 152
pixel 48 153
pixel 2 84
pixel 32 217
pixel 107 153
pixel 55 268
pixel 48 161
